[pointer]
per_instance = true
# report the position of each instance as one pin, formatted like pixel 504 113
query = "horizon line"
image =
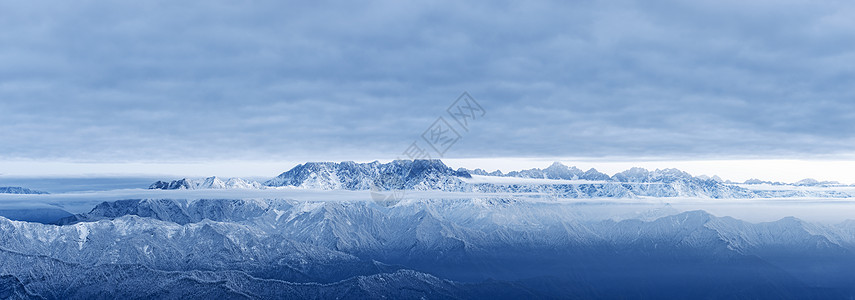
pixel 738 170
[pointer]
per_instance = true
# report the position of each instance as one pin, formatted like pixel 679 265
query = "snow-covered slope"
pixel 398 174
pixel 56 279
pixel 159 247
pixel 207 183
pixel 262 248
pixel 12 288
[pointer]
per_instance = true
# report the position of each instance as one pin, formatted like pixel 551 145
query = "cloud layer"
pixel 166 80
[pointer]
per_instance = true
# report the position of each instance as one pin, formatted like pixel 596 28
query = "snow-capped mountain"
pixel 559 171
pixel 676 183
pixel 494 235
pixel 19 190
pixel 207 183
pixel 557 180
pixel 398 174
pixel 434 175
pixel 636 182
pixel 478 247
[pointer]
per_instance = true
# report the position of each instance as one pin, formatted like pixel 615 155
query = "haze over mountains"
pixel 471 234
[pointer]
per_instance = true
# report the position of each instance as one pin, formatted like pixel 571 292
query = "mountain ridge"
pixel 20 190
pixel 469 240
pixel 435 175
pixel 212 182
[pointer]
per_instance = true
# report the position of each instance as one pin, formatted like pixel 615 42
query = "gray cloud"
pixel 161 80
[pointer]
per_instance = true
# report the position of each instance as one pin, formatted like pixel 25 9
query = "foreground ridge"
pixel 460 248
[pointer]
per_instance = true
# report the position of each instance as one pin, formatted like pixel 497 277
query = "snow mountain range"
pixel 207 183
pixel 19 191
pixel 485 235
pixel 556 180
pixel 436 249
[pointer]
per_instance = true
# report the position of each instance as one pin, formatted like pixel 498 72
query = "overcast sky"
pixel 175 81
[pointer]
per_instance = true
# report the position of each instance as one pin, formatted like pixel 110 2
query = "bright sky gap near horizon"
pixel 738 89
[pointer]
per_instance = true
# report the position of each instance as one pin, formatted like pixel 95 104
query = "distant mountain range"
pixel 19 190
pixel 563 181
pixel 207 183
pixel 803 182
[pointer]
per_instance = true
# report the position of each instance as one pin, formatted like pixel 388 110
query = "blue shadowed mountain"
pixel 19 191
pixel 398 174
pixel 470 248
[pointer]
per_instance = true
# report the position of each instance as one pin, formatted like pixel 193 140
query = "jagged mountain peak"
pixel 212 182
pixel 180 184
pixel 560 171
pixel 593 174
pixel 634 174
pixel 558 165
pixel 482 172
pixel 670 174
pixel 397 174
pixel 713 178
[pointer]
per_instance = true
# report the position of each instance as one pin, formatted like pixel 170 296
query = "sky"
pixel 238 87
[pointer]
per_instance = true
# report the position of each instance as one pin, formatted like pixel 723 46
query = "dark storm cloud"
pixel 170 80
